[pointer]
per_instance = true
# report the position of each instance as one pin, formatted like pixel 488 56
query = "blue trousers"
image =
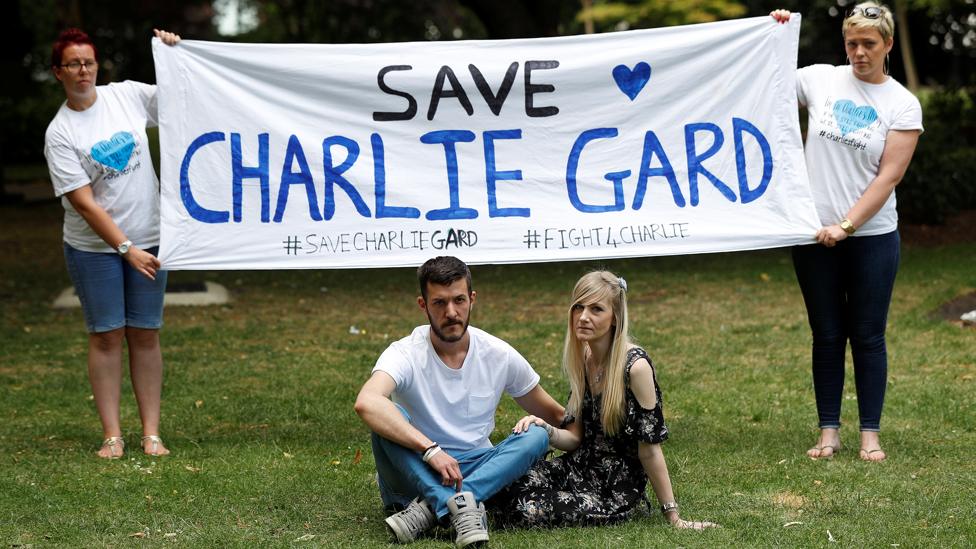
pixel 403 475
pixel 847 290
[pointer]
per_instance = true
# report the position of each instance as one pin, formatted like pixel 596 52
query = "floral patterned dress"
pixel 600 482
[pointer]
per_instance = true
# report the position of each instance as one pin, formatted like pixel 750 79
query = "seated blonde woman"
pixel 613 429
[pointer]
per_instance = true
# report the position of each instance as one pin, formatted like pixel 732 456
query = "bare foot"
pixel 152 445
pixel 112 448
pixel 871 447
pixel 827 446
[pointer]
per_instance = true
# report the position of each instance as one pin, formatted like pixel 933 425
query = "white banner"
pixel 666 141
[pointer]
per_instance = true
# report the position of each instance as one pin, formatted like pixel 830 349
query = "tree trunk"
pixel 901 20
pixel 587 16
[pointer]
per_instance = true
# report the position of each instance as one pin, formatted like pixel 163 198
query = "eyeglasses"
pixel 76 66
pixel 871 12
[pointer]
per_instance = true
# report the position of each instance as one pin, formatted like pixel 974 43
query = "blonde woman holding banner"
pixel 613 430
pixel 863 128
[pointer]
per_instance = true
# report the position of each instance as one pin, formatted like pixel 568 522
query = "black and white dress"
pixel 600 482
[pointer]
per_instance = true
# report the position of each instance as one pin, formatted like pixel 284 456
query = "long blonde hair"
pixel 591 288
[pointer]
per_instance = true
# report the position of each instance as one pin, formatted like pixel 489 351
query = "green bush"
pixel 940 180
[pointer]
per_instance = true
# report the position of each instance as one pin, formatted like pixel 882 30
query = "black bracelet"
pixel 429 448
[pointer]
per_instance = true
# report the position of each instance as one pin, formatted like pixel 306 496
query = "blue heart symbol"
pixel 115 151
pixel 851 118
pixel 631 82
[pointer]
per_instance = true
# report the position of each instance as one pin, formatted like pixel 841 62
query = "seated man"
pixel 430 442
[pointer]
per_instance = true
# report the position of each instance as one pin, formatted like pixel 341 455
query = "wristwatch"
pixel 123 248
pixel 848 227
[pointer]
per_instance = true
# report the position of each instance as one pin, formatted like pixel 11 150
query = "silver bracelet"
pixel 668 507
pixel 550 430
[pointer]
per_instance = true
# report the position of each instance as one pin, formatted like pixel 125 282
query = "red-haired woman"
pixel 98 157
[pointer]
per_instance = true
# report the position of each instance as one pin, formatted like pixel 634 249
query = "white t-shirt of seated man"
pixel 455 408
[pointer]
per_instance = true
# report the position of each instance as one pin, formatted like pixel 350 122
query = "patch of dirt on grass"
pixel 789 500
pixel 952 310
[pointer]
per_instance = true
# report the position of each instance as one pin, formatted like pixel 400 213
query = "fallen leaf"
pixel 818 482
pixel 191 468
pixel 764 277
pixel 198 404
pixel 137 535
pixel 169 535
pixel 830 537
pixel 780 462
pixel 794 523
pixel 306 537
pixel 358 457
pixel 336 462
pixel 288 456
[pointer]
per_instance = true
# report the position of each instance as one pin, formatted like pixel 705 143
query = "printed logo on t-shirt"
pixel 115 151
pixel 850 117
pixel 844 122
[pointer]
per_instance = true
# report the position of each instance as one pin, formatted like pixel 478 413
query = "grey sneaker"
pixel 408 524
pixel 469 520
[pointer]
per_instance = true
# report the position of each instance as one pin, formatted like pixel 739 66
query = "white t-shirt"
pixel 848 125
pixel 455 408
pixel 105 146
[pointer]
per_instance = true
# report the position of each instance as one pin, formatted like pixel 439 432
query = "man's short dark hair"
pixel 443 270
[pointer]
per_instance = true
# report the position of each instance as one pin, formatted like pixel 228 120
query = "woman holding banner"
pixel 614 443
pixel 863 128
pixel 98 157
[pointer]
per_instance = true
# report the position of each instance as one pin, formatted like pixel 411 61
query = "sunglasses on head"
pixel 871 12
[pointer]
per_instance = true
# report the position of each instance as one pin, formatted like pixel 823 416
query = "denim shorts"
pixel 113 294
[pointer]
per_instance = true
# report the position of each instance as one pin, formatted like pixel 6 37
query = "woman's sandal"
pixel 820 449
pixel 156 443
pixel 866 455
pixel 111 443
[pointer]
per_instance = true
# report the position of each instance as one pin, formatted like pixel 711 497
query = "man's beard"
pixel 446 338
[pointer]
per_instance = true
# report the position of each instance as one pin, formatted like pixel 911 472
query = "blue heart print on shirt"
pixel 851 118
pixel 115 151
pixel 632 81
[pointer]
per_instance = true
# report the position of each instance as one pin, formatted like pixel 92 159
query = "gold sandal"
pixel 156 443
pixel 820 449
pixel 866 455
pixel 112 442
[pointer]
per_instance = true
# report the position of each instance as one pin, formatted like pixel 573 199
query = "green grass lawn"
pixel 268 451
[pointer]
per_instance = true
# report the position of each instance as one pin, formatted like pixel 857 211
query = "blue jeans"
pixel 403 475
pixel 112 293
pixel 847 290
